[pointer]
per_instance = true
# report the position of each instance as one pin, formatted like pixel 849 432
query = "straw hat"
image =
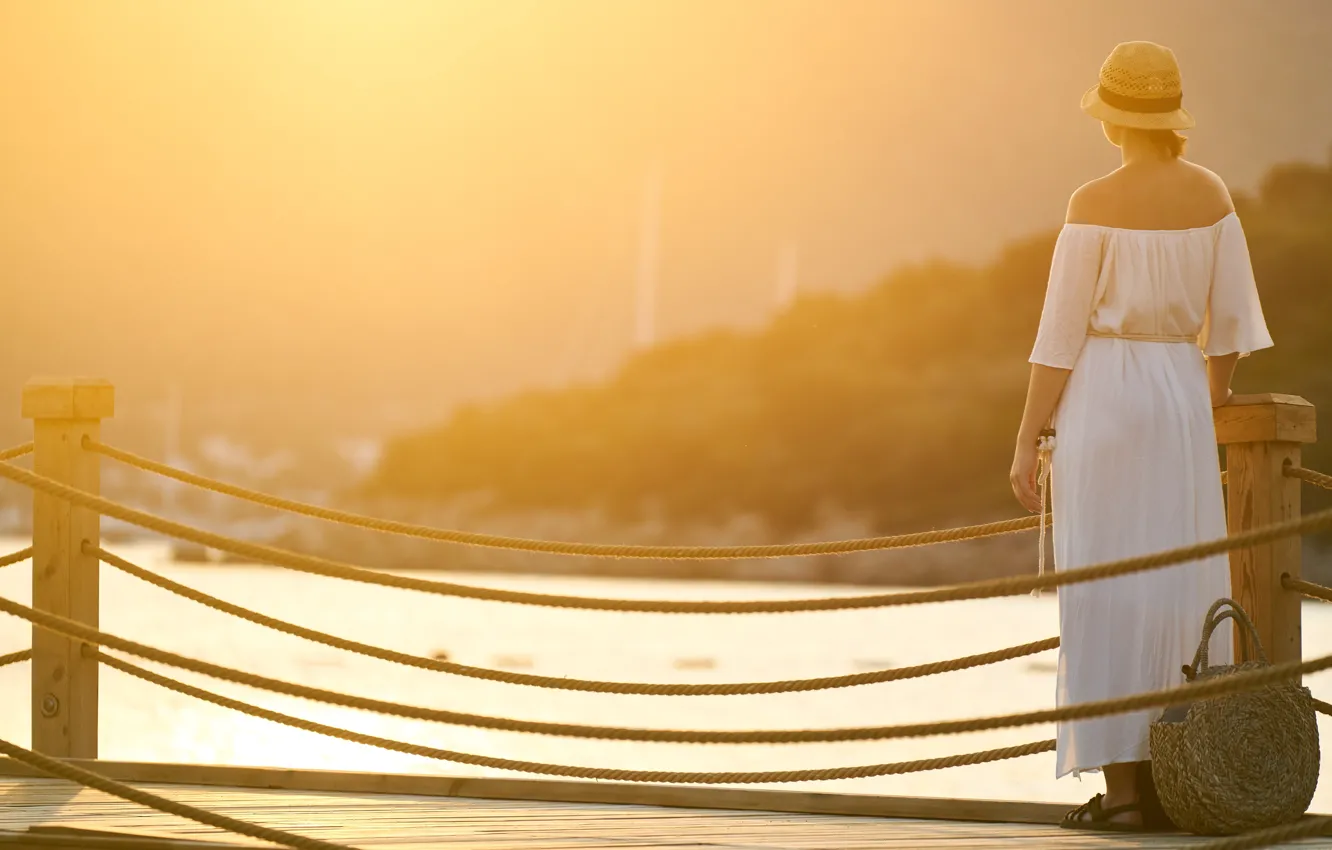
pixel 1139 87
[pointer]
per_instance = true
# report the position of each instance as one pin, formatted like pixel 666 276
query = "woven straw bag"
pixel 1239 762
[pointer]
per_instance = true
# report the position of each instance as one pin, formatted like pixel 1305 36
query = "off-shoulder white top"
pixel 1195 283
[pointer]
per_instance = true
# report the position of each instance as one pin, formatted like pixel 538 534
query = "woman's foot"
pixel 1104 813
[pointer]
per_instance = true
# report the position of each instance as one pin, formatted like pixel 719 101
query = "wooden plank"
pixel 1264 418
pixel 745 799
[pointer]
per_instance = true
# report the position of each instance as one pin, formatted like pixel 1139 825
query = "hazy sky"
pixel 433 199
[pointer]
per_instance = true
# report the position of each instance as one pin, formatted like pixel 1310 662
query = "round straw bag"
pixel 1239 762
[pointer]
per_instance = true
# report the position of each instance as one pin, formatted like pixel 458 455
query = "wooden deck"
pixel 54 814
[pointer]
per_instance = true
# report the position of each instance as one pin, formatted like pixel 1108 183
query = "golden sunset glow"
pixel 439 373
pixel 376 192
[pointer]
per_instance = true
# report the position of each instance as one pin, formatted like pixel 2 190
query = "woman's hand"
pixel 1220 371
pixel 1043 391
pixel 1023 477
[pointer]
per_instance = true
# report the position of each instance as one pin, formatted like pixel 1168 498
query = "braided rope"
pixel 1263 838
pixel 106 785
pixel 1210 688
pixel 1306 828
pixel 86 778
pixel 557 683
pixel 1318 479
pixel 557 547
pixel 596 773
pixel 15 557
pixel 974 590
pixel 15 657
pixel 16 452
pixel 1308 588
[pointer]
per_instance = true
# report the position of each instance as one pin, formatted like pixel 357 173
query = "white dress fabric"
pixel 1135 466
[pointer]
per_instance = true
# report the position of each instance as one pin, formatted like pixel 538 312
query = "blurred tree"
pixel 898 405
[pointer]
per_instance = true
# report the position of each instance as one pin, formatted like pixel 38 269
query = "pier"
pixel 57 793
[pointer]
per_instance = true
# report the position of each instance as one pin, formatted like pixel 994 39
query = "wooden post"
pixel 64 580
pixel 1262 434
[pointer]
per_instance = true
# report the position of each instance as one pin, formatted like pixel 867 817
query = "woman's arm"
pixel 1043 391
pixel 1220 369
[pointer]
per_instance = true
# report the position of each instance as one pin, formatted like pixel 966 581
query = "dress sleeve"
pixel 1069 297
pixel 1234 322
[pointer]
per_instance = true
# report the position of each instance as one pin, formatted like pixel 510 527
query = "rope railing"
pixel 974 590
pixel 1308 588
pixel 94 640
pixel 560 683
pixel 557 547
pixel 15 557
pixel 1263 838
pixel 1317 479
pixel 98 782
pixel 16 452
pixel 574 772
pixel 77 631
pixel 1193 691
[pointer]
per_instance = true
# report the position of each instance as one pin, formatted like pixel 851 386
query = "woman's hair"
pixel 1168 143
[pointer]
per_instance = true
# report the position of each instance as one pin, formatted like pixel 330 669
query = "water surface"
pixel 142 722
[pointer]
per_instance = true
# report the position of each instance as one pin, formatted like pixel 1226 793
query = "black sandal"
pixel 1097 818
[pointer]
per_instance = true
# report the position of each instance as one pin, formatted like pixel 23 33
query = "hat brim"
pixel 1179 119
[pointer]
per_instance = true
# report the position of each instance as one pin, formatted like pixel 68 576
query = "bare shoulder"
pixel 1169 196
pixel 1210 186
pixel 1088 204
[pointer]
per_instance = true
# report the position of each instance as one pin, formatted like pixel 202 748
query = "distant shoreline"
pixel 863 569
pixel 922 567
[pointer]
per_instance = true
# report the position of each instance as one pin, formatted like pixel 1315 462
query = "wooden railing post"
pixel 1262 434
pixel 64 579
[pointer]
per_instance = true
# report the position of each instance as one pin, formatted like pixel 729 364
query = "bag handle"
pixel 1215 616
pixel 1209 625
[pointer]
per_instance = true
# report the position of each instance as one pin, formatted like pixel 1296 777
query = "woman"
pixel 1151 266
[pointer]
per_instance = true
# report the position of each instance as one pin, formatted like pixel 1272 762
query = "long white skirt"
pixel 1135 470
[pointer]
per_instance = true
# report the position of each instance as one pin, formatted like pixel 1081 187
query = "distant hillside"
pixel 897 407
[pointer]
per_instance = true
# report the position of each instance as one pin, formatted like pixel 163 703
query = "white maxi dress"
pixel 1135 466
